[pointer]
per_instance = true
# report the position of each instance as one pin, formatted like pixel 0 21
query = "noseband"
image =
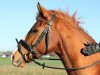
pixel 31 49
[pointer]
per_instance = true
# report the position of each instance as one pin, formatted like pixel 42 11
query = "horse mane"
pixel 72 22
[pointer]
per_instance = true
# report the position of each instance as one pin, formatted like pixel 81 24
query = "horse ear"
pixel 42 10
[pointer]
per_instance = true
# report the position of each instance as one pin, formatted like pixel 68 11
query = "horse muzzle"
pixel 18 63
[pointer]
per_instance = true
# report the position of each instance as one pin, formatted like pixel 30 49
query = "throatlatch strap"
pixel 47 42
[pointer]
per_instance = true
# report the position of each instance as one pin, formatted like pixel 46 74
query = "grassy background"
pixel 6 68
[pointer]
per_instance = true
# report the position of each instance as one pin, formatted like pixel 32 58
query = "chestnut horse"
pixel 66 39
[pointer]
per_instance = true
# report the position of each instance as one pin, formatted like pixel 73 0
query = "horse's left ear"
pixel 42 10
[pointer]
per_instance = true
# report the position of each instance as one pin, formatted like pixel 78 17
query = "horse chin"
pixel 22 65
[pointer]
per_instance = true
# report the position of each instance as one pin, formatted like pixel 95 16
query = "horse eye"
pixel 34 30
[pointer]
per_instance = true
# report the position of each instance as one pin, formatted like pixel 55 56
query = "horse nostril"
pixel 12 57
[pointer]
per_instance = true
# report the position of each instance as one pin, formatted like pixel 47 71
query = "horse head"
pixel 40 40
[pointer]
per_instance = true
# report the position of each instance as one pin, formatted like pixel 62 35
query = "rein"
pixel 70 69
pixel 31 49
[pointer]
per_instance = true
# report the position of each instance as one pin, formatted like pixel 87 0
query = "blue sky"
pixel 18 16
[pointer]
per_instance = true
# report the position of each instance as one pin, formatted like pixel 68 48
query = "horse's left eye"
pixel 34 30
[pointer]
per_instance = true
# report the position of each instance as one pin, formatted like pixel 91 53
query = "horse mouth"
pixel 17 64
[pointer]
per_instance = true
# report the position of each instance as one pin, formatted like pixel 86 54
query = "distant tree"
pixel 7 53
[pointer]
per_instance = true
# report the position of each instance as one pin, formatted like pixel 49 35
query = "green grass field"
pixel 6 68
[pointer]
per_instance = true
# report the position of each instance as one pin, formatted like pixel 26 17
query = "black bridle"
pixel 31 49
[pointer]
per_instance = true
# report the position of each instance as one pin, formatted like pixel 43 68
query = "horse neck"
pixel 73 38
pixel 71 42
